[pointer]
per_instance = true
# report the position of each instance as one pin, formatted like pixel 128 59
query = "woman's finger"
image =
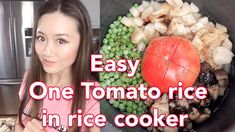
pixel 37 123
pixel 33 126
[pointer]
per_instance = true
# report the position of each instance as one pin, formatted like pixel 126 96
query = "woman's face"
pixel 57 42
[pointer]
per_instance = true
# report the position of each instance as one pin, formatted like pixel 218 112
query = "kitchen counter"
pixel 7 124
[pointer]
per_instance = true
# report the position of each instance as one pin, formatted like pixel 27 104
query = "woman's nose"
pixel 48 49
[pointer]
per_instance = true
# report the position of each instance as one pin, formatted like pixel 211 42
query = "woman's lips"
pixel 48 62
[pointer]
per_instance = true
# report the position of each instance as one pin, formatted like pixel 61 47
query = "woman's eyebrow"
pixel 40 32
pixel 62 34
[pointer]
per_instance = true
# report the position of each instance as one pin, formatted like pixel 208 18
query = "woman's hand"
pixel 34 126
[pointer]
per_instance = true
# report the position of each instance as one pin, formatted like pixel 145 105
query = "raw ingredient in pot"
pixel 174 58
pixel 129 36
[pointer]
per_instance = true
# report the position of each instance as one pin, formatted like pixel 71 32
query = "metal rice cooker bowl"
pixel 217 11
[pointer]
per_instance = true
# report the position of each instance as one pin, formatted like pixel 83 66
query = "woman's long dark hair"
pixel 81 66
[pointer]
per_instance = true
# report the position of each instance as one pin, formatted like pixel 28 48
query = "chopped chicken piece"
pixel 189 20
pixel 185 9
pixel 137 36
pixel 160 27
pixel 179 3
pixel 221 27
pixel 222 55
pixel 171 2
pixel 138 21
pixel 196 27
pixel 194 8
pixel 156 5
pixel 134 11
pixel 196 15
pixel 227 44
pixel 127 21
pixel 203 20
pixel 146 13
pixel 177 27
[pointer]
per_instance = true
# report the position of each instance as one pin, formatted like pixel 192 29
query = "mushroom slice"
pixel 202 118
pixel 221 74
pixel 221 91
pixel 214 91
pixel 207 111
pixel 172 104
pixel 148 101
pixel 170 129
pixel 183 102
pixel 162 105
pixel 194 114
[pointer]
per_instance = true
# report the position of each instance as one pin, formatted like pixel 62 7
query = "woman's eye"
pixel 62 41
pixel 41 38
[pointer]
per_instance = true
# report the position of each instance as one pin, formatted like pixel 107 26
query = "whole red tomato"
pixel 168 60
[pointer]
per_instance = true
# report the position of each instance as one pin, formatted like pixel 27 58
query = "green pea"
pixel 121 107
pixel 124 102
pixel 134 106
pixel 140 103
pixel 105 41
pixel 116 104
pixel 129 15
pixel 119 18
pixel 112 26
pixel 134 112
pixel 111 101
pixel 136 5
pixel 129 103
pixel 128 109
pixel 139 109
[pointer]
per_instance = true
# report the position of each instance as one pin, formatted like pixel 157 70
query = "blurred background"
pixel 16 26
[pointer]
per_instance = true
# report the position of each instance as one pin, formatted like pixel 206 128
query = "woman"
pixel 61 56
